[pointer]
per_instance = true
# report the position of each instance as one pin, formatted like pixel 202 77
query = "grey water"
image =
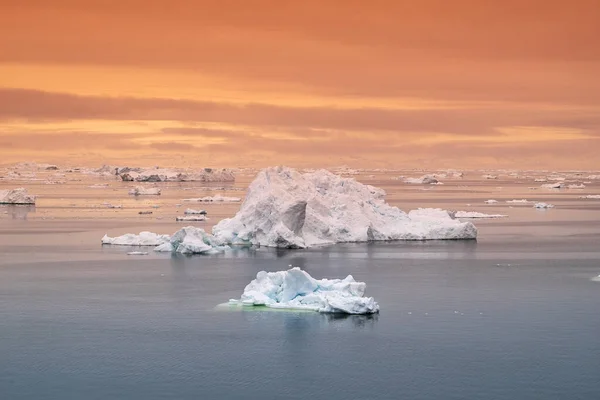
pixel 459 320
pixel 513 315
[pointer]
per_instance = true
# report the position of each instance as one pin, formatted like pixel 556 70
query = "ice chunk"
pixel 214 199
pixel 143 191
pixel 557 185
pixel 296 289
pixel 424 180
pixel 491 201
pixel 191 218
pixel 521 201
pixel 137 253
pixel 473 214
pixel 489 176
pixel 172 175
pixel 16 196
pixel 143 239
pixel 192 240
pixel 285 208
pixel 576 186
pixel 190 211
pixel 543 205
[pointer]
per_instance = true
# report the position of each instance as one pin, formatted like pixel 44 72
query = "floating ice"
pixel 192 240
pixel 191 211
pixel 543 205
pixel 137 253
pixel 575 186
pixel 170 175
pixel 590 196
pixel 16 196
pixel 474 214
pixel 284 208
pixel 214 199
pixel 190 218
pixel 557 185
pixel 521 201
pixel 296 289
pixel 489 176
pixel 491 201
pixel 424 180
pixel 142 191
pixel 143 239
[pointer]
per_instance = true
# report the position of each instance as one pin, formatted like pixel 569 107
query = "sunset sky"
pixel 428 83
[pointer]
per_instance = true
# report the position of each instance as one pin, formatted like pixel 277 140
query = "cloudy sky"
pixel 429 83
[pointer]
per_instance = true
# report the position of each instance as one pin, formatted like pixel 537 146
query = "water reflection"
pixel 17 211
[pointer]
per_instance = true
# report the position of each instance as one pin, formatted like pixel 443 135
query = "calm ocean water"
pixel 512 316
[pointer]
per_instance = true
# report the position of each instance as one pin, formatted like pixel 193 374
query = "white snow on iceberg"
pixel 142 191
pixel 296 289
pixel 143 239
pixel 16 196
pixel 285 208
pixel 474 214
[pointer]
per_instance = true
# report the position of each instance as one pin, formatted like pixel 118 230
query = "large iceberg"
pixel 285 208
pixel 296 289
pixel 16 196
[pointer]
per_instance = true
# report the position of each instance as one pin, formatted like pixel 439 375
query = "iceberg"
pixel 295 289
pixel 192 240
pixel 576 186
pixel 489 176
pixel 491 201
pixel 521 201
pixel 143 239
pixel 557 185
pixel 214 199
pixel 424 180
pixel 543 205
pixel 16 196
pixel 191 211
pixel 473 214
pixel 170 175
pixel 142 191
pixel 199 217
pixel 287 209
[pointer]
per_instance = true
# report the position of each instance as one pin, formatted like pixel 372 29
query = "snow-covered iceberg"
pixel 285 208
pixel 474 214
pixel 16 196
pixel 296 289
pixel 143 191
pixel 143 239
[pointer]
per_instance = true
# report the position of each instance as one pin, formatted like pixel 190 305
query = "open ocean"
pixel 514 315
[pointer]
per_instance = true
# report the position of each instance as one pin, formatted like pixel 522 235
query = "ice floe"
pixel 174 175
pixel 474 214
pixel 489 176
pixel 520 201
pixel 285 208
pixel 191 211
pixel 491 201
pixel 543 205
pixel 143 191
pixel 214 199
pixel 190 218
pixel 16 196
pixel 137 253
pixel 556 185
pixel 296 289
pixel 590 196
pixel 424 180
pixel 142 239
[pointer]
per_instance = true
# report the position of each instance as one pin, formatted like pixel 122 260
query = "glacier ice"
pixel 285 208
pixel 16 196
pixel 296 289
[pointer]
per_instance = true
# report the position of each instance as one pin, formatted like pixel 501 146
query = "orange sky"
pixel 429 83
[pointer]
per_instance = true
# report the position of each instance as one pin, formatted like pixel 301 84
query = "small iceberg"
pixel 190 218
pixel 424 180
pixel 557 185
pixel 521 201
pixel 214 199
pixel 474 214
pixel 142 191
pixel 16 196
pixel 295 289
pixel 192 240
pixel 543 205
pixel 491 201
pixel 143 239
pixel 191 211
pixel 137 253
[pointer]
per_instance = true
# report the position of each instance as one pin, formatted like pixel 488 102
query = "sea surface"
pixel 513 315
